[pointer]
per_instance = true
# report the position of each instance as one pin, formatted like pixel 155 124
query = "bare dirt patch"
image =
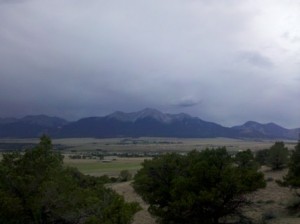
pixel 269 204
pixel 125 189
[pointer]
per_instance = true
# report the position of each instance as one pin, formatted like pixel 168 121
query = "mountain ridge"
pixel 147 112
pixel 145 123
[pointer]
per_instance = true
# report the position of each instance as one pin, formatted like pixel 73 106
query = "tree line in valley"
pixel 201 187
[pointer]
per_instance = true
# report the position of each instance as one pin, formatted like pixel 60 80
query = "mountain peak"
pixel 153 113
pixel 145 113
pixel 254 124
pixel 270 130
pixel 251 124
pixel 149 111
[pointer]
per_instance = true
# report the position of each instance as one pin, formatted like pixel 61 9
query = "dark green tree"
pixel 36 188
pixel 261 156
pixel 278 156
pixel 292 179
pixel 125 175
pixel 245 159
pixel 201 187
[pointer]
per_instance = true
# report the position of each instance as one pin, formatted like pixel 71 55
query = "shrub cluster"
pixel 35 187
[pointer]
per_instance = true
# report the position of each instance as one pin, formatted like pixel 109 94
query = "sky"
pixel 226 61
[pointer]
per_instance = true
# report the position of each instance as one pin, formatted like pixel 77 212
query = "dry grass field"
pixel 269 204
pixel 164 144
pixel 153 144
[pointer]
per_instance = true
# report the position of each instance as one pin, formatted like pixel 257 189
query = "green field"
pixel 111 167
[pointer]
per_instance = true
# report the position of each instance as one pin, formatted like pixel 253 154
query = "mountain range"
pixel 144 123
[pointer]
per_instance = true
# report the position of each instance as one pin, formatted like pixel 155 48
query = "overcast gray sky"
pixel 226 61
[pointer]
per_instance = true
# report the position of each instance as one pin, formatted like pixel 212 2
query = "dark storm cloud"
pixel 80 58
pixel 187 102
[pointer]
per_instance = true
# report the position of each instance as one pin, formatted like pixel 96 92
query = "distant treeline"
pixel 5 146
